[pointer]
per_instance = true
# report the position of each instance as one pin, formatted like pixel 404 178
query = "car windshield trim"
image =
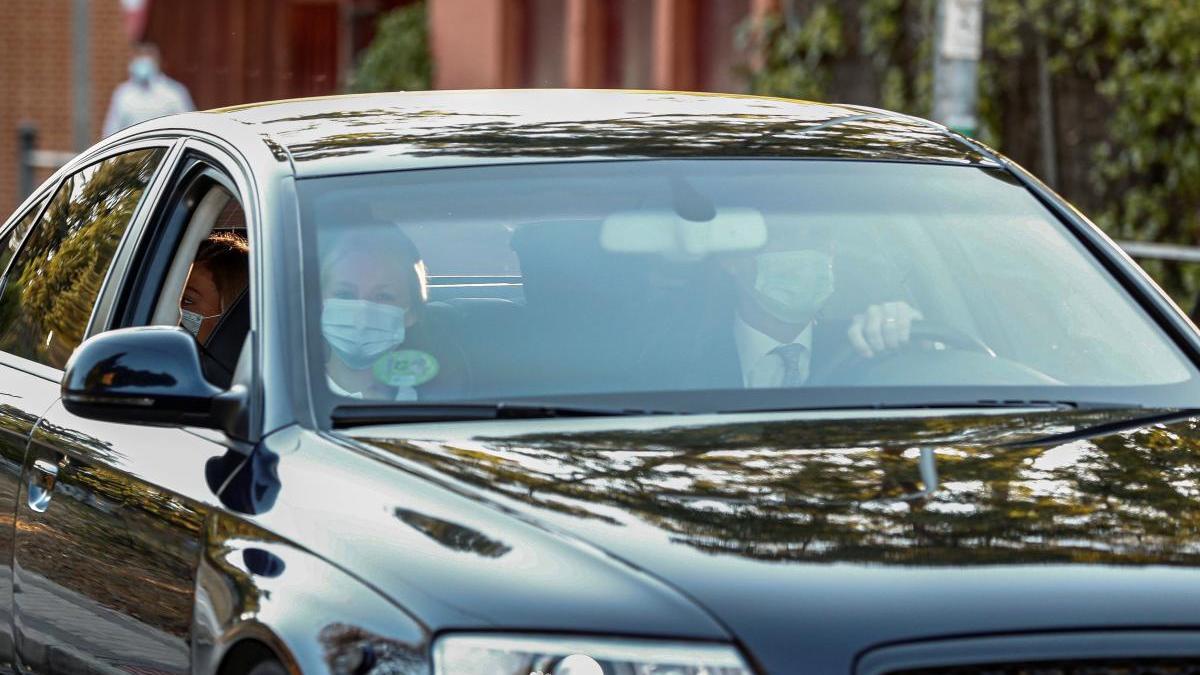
pixel 348 415
pixel 831 400
pixel 1066 364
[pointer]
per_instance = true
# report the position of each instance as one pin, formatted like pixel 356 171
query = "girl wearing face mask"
pixel 219 274
pixel 373 294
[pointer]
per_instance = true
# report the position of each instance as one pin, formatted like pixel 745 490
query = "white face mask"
pixel 792 286
pixel 143 69
pixel 191 320
pixel 360 331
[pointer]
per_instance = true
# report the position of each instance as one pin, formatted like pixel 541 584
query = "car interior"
pixel 217 210
pixel 637 316
pixel 598 320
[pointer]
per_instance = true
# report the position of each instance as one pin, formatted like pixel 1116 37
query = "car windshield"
pixel 761 283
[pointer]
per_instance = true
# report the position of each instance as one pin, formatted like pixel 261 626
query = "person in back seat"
pixel 375 319
pixel 219 274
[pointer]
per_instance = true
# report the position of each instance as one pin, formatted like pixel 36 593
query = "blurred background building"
pixel 1100 99
pixel 57 80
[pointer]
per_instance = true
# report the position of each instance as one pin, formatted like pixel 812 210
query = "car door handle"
pixel 41 484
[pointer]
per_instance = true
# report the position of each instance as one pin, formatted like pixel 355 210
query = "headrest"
pixel 224 344
pixel 564 267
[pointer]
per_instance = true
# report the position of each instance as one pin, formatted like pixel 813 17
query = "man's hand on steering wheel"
pixel 882 328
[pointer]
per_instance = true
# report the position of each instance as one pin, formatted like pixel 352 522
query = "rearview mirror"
pixel 666 233
pixel 149 375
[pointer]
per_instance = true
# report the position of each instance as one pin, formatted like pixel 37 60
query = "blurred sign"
pixel 956 66
pixel 962 29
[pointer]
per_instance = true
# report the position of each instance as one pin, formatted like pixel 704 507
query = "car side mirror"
pixel 147 375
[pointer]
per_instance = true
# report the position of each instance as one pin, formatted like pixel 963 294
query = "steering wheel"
pixel 924 337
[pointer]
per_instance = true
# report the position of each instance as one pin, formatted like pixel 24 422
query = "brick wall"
pixel 35 76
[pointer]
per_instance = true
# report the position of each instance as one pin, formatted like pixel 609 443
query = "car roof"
pixel 377 132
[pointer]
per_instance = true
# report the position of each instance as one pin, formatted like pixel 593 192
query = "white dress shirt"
pixel 761 368
pixel 402 393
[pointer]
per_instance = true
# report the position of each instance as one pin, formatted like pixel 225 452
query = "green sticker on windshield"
pixel 406 368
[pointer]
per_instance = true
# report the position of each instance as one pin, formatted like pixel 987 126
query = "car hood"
pixel 801 531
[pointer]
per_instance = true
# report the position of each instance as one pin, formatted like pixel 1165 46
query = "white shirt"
pixel 761 368
pixel 402 393
pixel 133 102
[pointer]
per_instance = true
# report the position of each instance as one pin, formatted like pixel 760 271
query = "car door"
pixel 109 517
pixel 24 396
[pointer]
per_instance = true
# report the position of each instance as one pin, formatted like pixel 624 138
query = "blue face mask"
pixel 143 69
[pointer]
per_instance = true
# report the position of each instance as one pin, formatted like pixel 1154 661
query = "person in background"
pixel 219 274
pixel 146 94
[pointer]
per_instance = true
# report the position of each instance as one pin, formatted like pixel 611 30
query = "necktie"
pixel 795 364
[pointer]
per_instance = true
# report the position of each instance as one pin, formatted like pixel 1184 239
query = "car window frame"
pixel 147 209
pixel 151 253
pixel 39 200
pixel 36 210
pixel 1131 280
pixel 194 157
pixel 49 189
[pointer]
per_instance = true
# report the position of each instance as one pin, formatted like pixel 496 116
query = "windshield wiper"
pixel 393 413
pixel 988 404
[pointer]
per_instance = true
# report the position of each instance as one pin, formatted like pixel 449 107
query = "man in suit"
pixel 769 326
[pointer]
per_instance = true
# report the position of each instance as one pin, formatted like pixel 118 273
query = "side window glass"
pixel 12 241
pixel 54 281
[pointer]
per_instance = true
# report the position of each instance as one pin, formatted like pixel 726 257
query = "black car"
pixel 580 382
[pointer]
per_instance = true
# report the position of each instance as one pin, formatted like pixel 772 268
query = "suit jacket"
pixel 711 359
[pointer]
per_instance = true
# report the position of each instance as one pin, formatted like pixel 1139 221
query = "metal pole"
pixel 959 46
pixel 26 142
pixel 81 78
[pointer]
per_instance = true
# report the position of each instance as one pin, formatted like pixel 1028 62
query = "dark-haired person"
pixel 219 274
pixel 375 320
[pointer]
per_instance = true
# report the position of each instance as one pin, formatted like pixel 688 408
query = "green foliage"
pixel 896 39
pixel 796 53
pixel 1136 60
pixel 1144 60
pixel 398 58
pixel 801 48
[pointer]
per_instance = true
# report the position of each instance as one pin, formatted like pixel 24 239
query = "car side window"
pixel 13 238
pixel 54 280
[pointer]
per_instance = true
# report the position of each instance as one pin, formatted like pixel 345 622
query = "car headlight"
pixel 472 654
